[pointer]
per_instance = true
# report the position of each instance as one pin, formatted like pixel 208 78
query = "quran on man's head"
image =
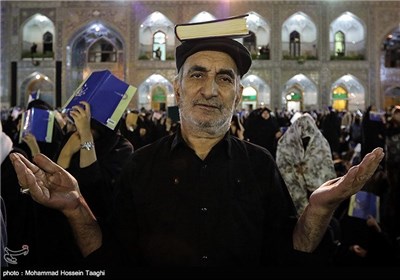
pixel 228 27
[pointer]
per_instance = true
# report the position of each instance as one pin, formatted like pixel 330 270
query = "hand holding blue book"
pixel 39 122
pixel 107 95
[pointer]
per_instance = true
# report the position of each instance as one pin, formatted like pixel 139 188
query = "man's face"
pixel 208 91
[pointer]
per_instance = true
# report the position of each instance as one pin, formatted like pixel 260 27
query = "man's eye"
pixel 226 79
pixel 197 75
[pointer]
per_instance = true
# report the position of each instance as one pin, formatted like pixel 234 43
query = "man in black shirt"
pixel 199 197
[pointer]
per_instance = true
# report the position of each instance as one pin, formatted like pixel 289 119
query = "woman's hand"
pixel 72 146
pixel 81 116
pixel 30 140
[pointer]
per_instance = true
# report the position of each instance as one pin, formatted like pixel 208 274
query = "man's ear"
pixel 177 90
pixel 239 95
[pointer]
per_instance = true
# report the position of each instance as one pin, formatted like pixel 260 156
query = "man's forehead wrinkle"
pixel 226 71
pixel 198 68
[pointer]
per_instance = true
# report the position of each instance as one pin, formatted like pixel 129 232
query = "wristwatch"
pixel 87 146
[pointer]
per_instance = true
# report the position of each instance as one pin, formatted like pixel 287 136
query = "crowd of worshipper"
pixel 318 144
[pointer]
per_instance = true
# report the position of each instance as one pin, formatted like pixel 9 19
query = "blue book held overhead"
pixel 39 122
pixel 376 116
pixel 363 204
pixel 107 95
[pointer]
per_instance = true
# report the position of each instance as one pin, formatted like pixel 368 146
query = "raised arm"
pixel 52 186
pixel 315 219
pixel 82 116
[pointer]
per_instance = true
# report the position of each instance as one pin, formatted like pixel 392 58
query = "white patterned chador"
pixel 304 159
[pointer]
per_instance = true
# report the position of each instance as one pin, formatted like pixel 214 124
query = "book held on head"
pixel 230 27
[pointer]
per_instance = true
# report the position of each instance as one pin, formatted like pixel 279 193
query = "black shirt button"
pixel 204 209
pixel 176 181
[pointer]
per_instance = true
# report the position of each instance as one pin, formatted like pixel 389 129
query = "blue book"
pixel 376 116
pixel 107 95
pixel 363 204
pixel 39 122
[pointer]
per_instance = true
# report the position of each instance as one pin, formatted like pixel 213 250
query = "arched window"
pixel 102 51
pixel 259 39
pixel 158 98
pixel 299 37
pixel 340 97
pixel 392 96
pixel 340 43
pixel 47 42
pixel 156 92
pixel 294 99
pixel 256 92
pixel 39 83
pixel 153 33
pixel 294 44
pixel 37 37
pixel 347 37
pixel 159 45
pixel 249 98
pixel 347 93
pixel 392 51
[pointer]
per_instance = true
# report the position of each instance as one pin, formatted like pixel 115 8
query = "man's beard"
pixel 216 126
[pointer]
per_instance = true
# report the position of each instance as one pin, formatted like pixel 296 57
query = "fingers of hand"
pixel 76 116
pixel 86 106
pixel 17 162
pixel 375 156
pixel 369 164
pixel 349 179
pixel 358 175
pixel 22 165
pixel 31 178
pixel 77 109
pixel 46 165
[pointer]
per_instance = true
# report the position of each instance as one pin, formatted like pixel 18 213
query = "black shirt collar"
pixel 226 142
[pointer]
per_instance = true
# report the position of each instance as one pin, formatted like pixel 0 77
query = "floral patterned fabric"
pixel 304 170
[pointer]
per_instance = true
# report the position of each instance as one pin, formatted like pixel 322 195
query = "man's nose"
pixel 210 88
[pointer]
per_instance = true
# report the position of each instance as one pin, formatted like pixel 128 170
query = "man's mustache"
pixel 209 103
